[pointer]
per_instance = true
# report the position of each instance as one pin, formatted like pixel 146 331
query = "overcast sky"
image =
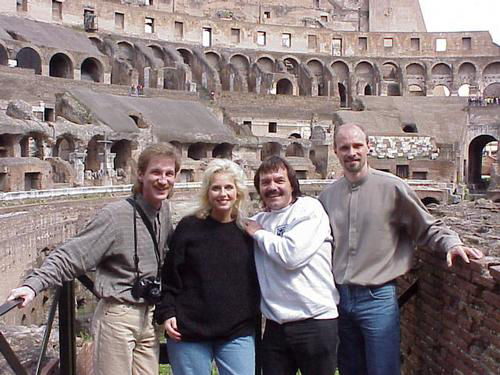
pixel 462 15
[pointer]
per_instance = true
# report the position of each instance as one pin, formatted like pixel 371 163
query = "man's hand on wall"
pixel 464 252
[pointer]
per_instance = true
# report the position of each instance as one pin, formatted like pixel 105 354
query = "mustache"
pixel 274 192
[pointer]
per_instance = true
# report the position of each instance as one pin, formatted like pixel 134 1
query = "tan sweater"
pixel 376 224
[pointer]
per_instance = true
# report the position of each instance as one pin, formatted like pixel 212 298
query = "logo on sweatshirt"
pixel 280 230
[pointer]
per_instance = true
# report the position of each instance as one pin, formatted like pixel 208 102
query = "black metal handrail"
pixel 64 299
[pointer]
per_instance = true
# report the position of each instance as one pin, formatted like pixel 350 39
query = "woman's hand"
pixel 171 329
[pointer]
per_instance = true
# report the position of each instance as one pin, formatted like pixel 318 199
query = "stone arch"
pixel 28 58
pixel 341 70
pixel 157 52
pixel 294 149
pixel 138 120
pixel 294 135
pixel 316 67
pixel 415 69
pixel 7 144
pixel 214 60
pixel 410 128
pixel 467 69
pixel 416 90
pixel 491 75
pixel 364 67
pixel 430 200
pixel 92 159
pixel 123 154
pixel 4 55
pixel 269 149
pixel 240 62
pixel 197 151
pixel 266 64
pixel 223 150
pixel 126 51
pixel 96 41
pixel 441 69
pixel 291 65
pixel 65 145
pixel 187 56
pixel 365 77
pixel 492 90
pixel 61 66
pixel 32 145
pixel 475 161
pixel 492 68
pixel 390 71
pixel 92 70
pixel 441 90
pixel 284 87
pixel 177 145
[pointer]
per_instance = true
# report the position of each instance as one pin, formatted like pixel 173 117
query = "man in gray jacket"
pixel 376 220
pixel 125 243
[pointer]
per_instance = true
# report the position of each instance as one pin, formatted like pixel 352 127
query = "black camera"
pixel 148 288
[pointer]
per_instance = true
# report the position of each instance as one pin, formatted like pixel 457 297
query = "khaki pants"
pixel 125 339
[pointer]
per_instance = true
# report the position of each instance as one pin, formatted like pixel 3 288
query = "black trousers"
pixel 309 345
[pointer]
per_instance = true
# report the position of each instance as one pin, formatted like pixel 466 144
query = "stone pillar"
pixel 77 159
pixel 147 75
pixel 160 78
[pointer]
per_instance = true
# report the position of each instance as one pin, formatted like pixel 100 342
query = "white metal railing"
pixel 122 189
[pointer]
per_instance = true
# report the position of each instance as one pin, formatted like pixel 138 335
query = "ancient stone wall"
pixel 452 325
pixel 28 234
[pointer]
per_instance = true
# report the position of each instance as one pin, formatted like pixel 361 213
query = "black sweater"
pixel 209 281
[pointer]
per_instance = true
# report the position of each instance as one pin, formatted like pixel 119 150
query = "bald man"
pixel 376 221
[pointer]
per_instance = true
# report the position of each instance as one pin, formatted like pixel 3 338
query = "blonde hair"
pixel 229 168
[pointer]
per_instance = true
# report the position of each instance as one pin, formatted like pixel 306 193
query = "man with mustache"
pixel 376 221
pixel 293 253
pixel 125 243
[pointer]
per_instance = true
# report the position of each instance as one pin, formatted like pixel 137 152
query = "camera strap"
pixel 149 226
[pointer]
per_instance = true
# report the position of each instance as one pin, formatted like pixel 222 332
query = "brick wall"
pixel 452 325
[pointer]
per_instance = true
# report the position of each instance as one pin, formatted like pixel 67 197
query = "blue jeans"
pixel 369 330
pixel 233 357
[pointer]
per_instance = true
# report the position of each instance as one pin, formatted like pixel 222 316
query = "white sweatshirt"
pixel 293 255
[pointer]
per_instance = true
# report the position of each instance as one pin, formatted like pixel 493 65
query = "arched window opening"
pixel 91 70
pixel 269 149
pixel 294 149
pixel 28 58
pixel 284 87
pixel 60 66
pixel 410 128
pixel 223 151
pixel 197 151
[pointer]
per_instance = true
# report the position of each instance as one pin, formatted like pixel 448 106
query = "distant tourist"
pixel 293 255
pixel 128 276
pixel 211 300
pixel 376 220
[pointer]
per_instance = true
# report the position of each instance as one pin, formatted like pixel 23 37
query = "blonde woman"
pixel 211 292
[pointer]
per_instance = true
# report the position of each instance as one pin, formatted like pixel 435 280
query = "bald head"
pixel 341 129
pixel 351 147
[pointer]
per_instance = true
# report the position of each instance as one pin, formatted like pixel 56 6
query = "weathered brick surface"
pixel 452 325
